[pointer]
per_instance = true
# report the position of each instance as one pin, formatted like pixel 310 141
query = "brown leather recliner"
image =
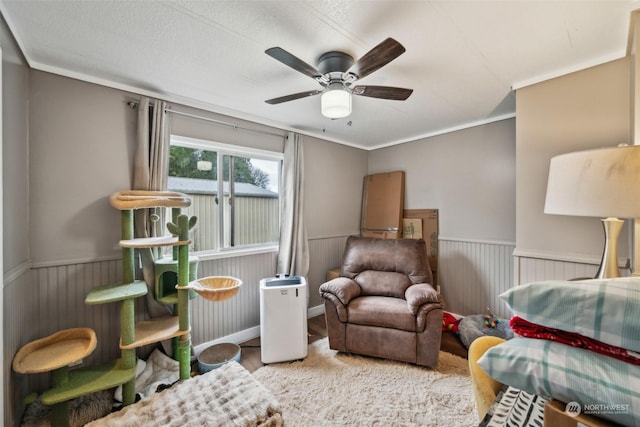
pixel 383 303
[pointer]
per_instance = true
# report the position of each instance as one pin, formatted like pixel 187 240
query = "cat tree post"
pixel 184 341
pixel 127 309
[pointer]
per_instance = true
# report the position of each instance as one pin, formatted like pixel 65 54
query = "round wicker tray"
pixel 215 288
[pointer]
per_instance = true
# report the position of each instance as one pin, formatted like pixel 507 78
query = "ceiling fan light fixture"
pixel 337 72
pixel 335 102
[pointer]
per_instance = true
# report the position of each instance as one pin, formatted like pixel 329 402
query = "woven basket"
pixel 216 288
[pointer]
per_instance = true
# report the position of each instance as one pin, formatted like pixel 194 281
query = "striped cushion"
pixel 607 310
pixel 603 386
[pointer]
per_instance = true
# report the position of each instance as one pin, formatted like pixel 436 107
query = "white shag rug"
pixel 328 388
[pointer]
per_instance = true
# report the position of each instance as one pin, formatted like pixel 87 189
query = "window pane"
pixel 194 172
pixel 255 202
pixel 226 205
pixel 192 163
pixel 255 186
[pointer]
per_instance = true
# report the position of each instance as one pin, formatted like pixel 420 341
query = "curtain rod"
pixel 134 104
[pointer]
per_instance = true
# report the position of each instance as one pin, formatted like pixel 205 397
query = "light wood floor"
pixel 317 329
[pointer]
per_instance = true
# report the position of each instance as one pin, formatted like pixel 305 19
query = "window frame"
pixel 225 149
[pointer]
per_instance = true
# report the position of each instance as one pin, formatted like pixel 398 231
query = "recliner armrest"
pixel 342 288
pixel 419 294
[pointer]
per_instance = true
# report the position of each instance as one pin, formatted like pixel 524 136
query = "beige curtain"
pixel 151 165
pixel 293 257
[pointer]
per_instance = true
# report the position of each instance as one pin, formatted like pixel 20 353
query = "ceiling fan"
pixel 337 72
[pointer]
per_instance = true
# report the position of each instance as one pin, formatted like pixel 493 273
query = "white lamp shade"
pixel 598 183
pixel 336 103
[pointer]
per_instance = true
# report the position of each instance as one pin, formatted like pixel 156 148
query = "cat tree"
pixel 175 284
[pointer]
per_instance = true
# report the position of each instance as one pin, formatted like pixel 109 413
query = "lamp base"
pixel 609 263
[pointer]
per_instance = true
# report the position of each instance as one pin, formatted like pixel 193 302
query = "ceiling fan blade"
pixel 384 92
pixel 376 58
pixel 294 62
pixel 292 97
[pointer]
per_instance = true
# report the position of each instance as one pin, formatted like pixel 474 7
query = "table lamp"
pixel 602 183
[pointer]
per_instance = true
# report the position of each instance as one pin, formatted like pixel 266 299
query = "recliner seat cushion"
pixel 385 312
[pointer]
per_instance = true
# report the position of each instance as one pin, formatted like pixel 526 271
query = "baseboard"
pixel 236 338
pixel 315 311
pixel 248 334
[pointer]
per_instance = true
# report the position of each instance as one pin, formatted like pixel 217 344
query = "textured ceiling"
pixel 462 58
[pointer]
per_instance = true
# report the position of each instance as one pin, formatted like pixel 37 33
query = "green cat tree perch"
pixel 175 284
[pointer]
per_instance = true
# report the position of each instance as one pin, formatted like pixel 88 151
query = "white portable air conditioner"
pixel 283 318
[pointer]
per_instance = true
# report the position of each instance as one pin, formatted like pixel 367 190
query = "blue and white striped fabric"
pixel 607 310
pixel 603 386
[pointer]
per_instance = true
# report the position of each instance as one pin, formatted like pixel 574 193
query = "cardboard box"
pixel 429 218
pixel 382 234
pixel 556 416
pixel 382 205
pixel 333 273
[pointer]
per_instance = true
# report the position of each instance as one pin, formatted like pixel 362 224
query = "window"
pixel 248 212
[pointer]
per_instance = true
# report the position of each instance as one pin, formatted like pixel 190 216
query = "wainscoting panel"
pixel 532 269
pixel 17 305
pixel 211 320
pixel 43 300
pixel 58 303
pixel 324 254
pixel 473 274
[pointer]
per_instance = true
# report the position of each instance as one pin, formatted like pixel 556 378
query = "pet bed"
pixel 478 325
pixel 228 396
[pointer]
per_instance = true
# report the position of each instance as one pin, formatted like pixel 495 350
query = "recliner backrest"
pixel 385 266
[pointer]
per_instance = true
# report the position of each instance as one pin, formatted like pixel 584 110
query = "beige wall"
pixel 468 175
pixel 82 141
pixel 81 148
pixel 272 140
pixel 15 149
pixel 333 183
pixel 81 151
pixel 582 110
